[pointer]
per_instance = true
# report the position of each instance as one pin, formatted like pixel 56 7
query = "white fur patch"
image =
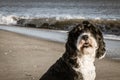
pixel 87 68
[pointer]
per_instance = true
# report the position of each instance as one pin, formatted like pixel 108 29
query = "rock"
pixel 30 25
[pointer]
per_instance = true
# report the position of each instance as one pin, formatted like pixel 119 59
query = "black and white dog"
pixel 84 44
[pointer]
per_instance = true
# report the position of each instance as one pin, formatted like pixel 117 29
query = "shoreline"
pixel 112 46
pixel 24 57
pixel 106 36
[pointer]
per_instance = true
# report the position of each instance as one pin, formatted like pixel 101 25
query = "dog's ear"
pixel 71 41
pixel 100 53
pixel 70 44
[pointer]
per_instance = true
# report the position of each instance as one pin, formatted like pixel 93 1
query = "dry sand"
pixel 27 58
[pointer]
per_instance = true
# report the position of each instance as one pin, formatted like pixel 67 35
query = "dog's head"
pixel 86 39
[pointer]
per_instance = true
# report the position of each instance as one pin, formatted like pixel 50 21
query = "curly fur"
pixel 74 64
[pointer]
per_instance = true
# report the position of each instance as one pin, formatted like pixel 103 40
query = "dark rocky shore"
pixel 107 26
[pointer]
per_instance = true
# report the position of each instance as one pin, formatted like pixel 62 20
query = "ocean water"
pixel 12 10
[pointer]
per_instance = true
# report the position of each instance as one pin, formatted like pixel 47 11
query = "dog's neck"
pixel 86 65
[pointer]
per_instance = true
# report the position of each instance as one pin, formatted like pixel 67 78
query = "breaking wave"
pixel 8 19
pixel 12 19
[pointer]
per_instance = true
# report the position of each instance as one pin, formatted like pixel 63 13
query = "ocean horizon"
pixel 12 10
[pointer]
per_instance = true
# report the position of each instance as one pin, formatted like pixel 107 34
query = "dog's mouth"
pixel 86 45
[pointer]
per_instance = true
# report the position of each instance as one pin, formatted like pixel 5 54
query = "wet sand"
pixel 27 58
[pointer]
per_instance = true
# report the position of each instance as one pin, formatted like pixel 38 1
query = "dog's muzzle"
pixel 86 43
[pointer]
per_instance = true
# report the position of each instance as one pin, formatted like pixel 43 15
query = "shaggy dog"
pixel 84 44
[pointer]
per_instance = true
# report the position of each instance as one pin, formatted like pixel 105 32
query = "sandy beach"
pixel 27 58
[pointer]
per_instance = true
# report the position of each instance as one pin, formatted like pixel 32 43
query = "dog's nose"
pixel 85 37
